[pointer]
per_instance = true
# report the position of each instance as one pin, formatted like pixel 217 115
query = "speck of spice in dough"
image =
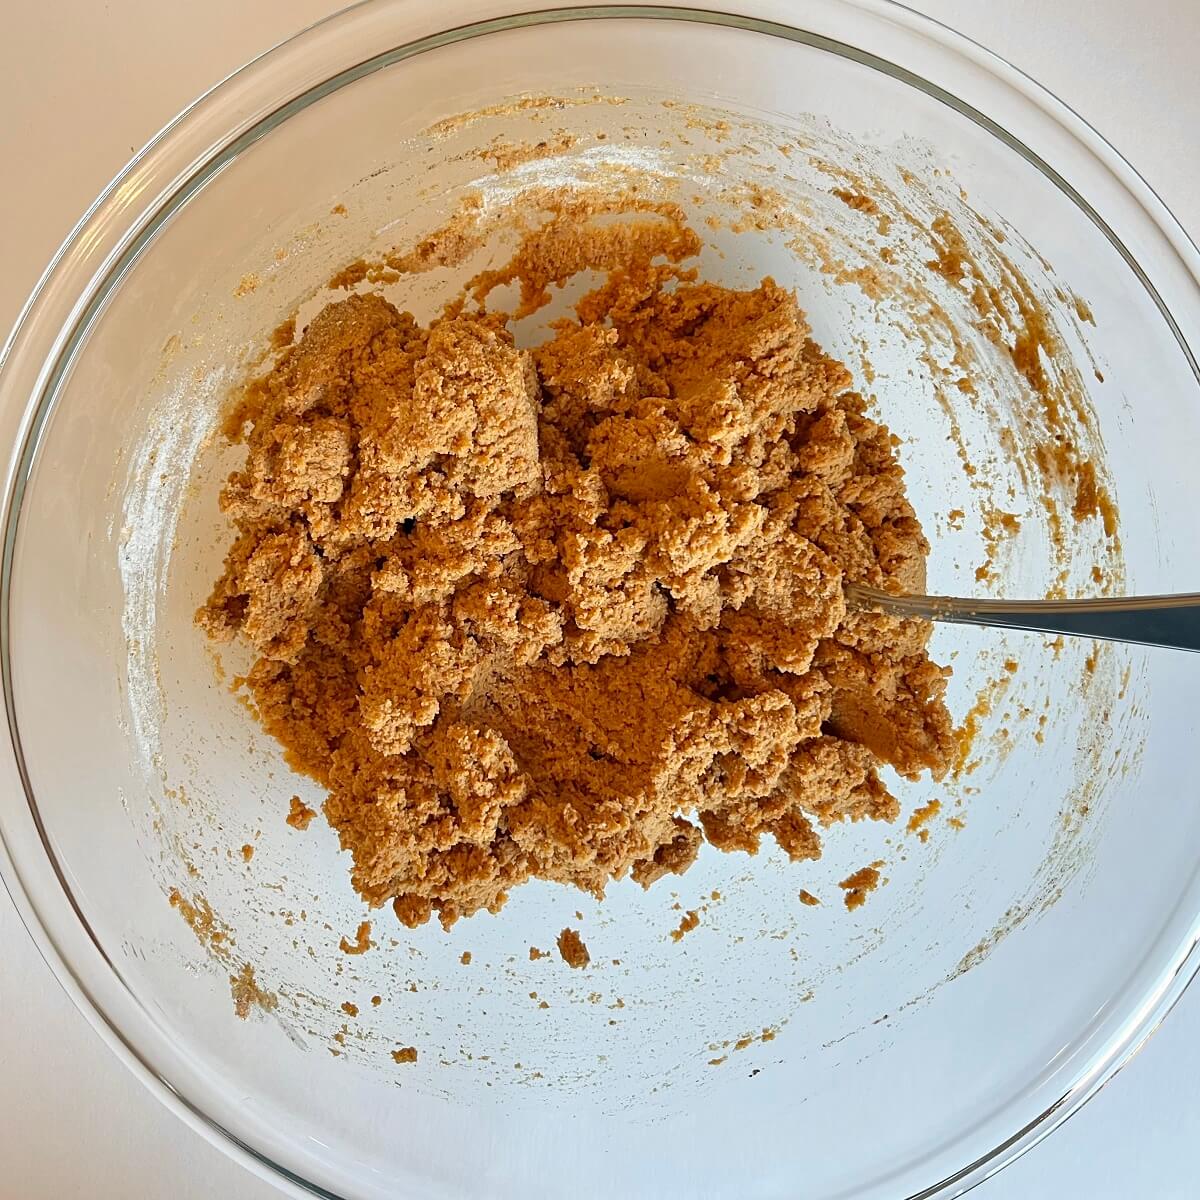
pixel 859 885
pixel 448 548
pixel 300 815
pixel 574 952
pixel 408 1054
pixel 466 958
pixel 351 1010
pixel 376 1000
pixel 247 852
pixel 362 940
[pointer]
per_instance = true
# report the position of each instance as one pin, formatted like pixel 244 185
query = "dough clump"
pixel 571 612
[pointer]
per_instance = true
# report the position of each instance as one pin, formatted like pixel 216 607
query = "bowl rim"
pixel 176 163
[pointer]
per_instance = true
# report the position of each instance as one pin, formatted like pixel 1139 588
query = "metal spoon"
pixel 1172 621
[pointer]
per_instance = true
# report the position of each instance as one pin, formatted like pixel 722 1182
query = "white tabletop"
pixel 85 82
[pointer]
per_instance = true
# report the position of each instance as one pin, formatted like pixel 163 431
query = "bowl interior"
pixel 842 1054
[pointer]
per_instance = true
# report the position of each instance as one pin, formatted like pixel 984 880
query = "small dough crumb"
pixel 362 940
pixel 466 958
pixel 300 815
pixel 408 1054
pixel 351 1010
pixel 856 200
pixel 690 920
pixel 922 816
pixel 535 954
pixel 859 885
pixel 247 852
pixel 574 952
pixel 806 897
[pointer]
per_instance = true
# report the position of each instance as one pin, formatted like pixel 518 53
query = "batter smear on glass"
pixel 570 612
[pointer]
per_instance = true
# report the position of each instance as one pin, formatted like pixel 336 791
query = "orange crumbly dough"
pixel 689 922
pixel 300 815
pixel 362 940
pixel 569 613
pixel 574 952
pixel 921 818
pixel 408 1054
pixel 860 885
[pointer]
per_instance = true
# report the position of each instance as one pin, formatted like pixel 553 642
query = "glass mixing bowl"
pixel 1011 963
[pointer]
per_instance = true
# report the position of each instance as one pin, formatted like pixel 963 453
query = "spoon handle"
pixel 1172 621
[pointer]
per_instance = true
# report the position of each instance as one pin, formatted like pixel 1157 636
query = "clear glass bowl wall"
pixel 1003 970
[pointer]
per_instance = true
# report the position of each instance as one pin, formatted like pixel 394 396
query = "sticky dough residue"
pixel 868 224
pixel 1007 361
